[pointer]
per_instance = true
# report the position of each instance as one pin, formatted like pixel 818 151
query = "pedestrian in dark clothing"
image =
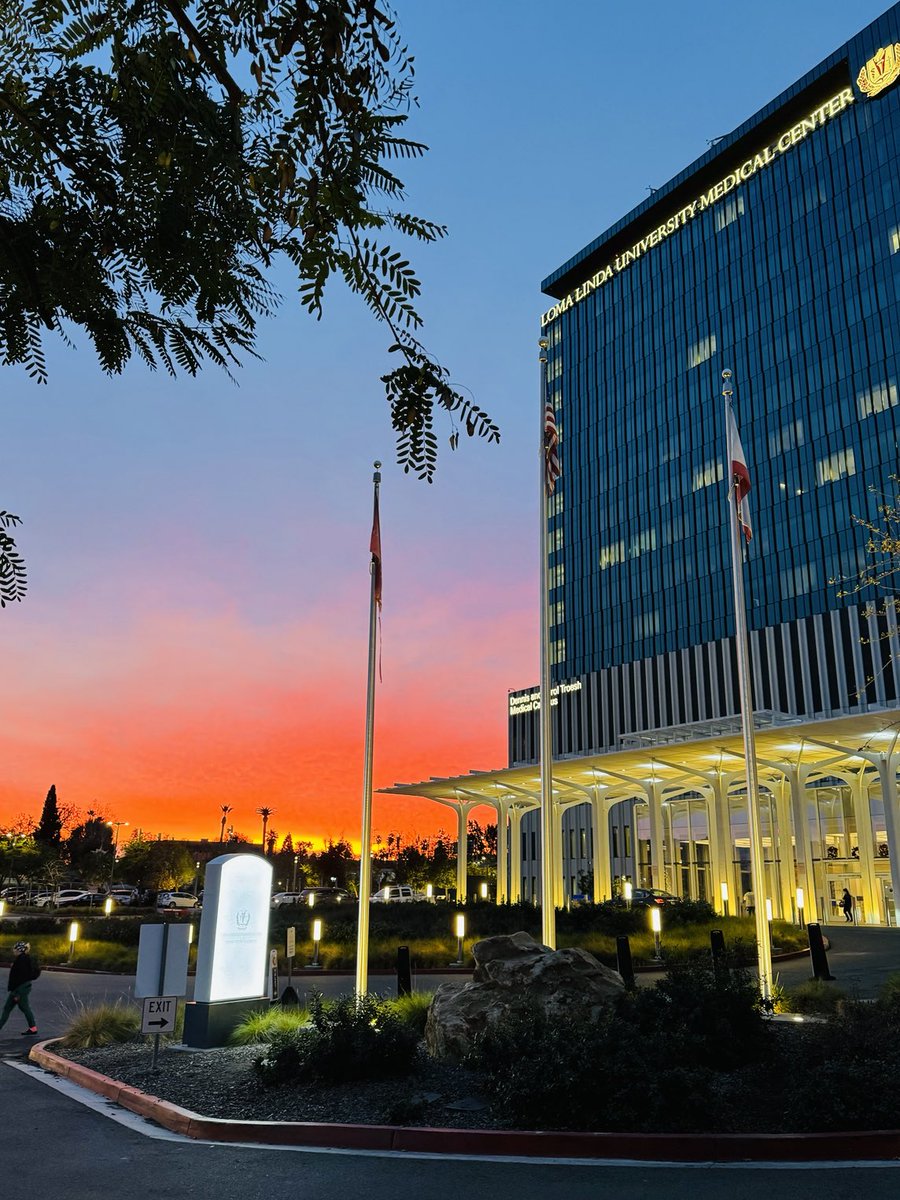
pixel 847 905
pixel 22 974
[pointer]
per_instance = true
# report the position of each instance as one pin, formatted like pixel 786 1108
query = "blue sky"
pixel 198 552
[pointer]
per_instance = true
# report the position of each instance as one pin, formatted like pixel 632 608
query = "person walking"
pixel 749 903
pixel 22 974
pixel 846 903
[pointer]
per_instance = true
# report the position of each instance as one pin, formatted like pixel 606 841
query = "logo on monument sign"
pixel 882 69
pixel 242 918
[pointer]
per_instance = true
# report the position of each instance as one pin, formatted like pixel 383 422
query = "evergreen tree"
pixel 49 830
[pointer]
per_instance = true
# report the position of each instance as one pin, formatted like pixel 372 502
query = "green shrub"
pixel 346 1039
pixel 890 989
pixel 658 1059
pixel 100 1025
pixel 579 1074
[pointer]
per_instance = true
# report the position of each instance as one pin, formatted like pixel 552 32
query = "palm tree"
pixel 226 809
pixel 265 813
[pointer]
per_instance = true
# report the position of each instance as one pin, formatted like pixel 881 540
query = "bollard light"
pixel 2 907
pixel 768 910
pixel 311 899
pixel 629 891
pixel 484 891
pixel 459 924
pixel 190 930
pixel 800 907
pixel 429 891
pixel 73 938
pixel 316 937
pixel 656 926
pixel 723 890
pixel 107 905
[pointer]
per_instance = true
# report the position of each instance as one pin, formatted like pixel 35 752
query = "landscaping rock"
pixel 510 971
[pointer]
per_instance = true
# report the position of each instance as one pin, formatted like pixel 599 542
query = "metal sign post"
pixel 291 948
pixel 273 975
pixel 162 983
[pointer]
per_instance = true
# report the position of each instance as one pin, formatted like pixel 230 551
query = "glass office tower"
pixel 775 255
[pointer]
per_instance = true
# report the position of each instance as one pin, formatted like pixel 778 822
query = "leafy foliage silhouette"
pixel 156 158
pixel 13 583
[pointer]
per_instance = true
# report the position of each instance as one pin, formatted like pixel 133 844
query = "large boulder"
pixel 513 970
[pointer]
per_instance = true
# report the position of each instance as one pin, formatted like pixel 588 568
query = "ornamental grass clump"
pixel 269 1023
pixel 345 1039
pixel 100 1025
pixel 814 997
pixel 412 1010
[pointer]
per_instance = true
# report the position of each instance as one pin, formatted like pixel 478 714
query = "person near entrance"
pixel 749 903
pixel 846 903
pixel 22 974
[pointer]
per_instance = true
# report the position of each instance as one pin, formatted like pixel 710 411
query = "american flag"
pixel 740 475
pixel 551 449
pixel 375 547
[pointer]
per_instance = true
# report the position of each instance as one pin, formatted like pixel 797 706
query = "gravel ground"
pixel 222 1083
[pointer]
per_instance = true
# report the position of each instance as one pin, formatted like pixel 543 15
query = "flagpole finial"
pixel 377 476
pixel 543 343
pixel 726 384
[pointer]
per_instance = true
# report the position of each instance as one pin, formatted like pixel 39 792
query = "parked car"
pixel 61 898
pixel 176 900
pixel 123 895
pixel 280 899
pixel 397 893
pixel 647 897
pixel 334 895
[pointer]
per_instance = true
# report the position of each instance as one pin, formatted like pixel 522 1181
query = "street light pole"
pixel 115 853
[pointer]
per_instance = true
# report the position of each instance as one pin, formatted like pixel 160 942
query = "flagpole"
pixel 365 845
pixel 548 839
pixel 757 865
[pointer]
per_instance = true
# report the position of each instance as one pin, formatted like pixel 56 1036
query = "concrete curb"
pixel 647 1147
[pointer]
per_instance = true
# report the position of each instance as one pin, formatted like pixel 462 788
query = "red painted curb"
pixel 646 1147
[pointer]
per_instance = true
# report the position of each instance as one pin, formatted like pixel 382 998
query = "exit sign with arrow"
pixel 158 1014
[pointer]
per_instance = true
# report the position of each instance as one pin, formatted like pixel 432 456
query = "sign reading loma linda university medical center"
pixel 879 72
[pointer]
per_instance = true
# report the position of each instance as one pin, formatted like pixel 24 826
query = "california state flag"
pixel 740 475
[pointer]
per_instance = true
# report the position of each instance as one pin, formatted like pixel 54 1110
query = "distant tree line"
pixel 67 844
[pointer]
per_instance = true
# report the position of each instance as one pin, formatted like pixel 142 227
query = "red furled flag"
pixel 740 475
pixel 551 449
pixel 375 547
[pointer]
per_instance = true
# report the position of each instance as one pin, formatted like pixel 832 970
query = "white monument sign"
pixel 233 947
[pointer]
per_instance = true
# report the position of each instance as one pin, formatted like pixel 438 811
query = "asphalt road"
pixel 53 1145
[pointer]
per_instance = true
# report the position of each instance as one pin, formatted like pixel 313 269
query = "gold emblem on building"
pixel 882 69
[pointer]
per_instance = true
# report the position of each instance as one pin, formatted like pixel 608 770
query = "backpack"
pixel 35 970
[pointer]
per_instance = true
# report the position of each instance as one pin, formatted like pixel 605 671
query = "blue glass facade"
pixel 790 277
